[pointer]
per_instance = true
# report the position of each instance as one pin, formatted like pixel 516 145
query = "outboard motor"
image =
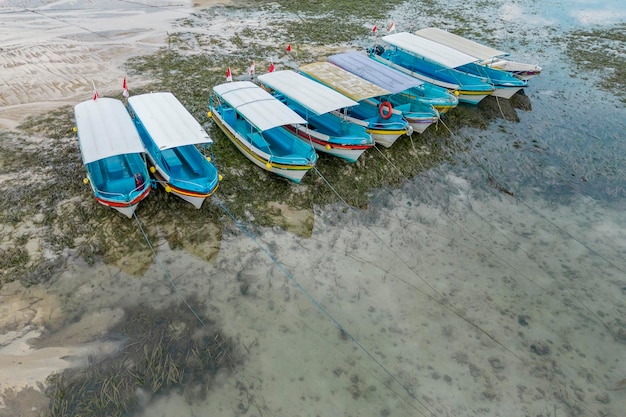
pixel 379 50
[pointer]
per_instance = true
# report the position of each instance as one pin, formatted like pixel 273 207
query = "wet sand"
pixel 53 52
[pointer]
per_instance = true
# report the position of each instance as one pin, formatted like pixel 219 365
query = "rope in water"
pixel 165 273
pixel 559 228
pixel 320 306
pixel 506 190
pixel 437 297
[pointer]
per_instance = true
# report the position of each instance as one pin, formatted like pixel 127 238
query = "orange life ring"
pixel 385 110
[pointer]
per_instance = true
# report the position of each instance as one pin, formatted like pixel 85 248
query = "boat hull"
pixel 505 84
pixel 185 192
pixel 261 159
pixel 381 132
pixel 112 153
pixel 418 114
pixel 420 123
pixel 126 208
pixel 467 93
pixel 330 133
pixel 119 182
pixel 325 144
pixel 521 70
pixel 442 99
pixel 170 134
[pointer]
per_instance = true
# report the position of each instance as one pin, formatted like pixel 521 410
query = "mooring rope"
pixel 499 107
pixel 165 272
pixel 321 308
pixel 438 297
pixel 389 161
pixel 501 187
pixel 534 210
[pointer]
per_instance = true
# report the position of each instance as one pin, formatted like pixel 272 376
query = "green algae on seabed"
pixel 601 51
pixel 162 349
pixel 67 216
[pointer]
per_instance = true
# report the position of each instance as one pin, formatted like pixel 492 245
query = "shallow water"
pixel 493 285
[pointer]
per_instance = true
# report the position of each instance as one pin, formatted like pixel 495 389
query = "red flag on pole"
pixel 229 75
pixel 272 68
pixel 289 48
pixel 125 92
pixel 95 92
pixel 251 69
pixel 374 29
pixel 392 27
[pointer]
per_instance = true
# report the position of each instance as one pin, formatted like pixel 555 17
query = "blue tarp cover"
pixel 375 72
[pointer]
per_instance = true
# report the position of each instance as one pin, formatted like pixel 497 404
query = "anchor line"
pixel 323 309
pixel 502 187
pixel 500 107
pixel 534 210
pixel 439 298
pixel 388 161
pixel 165 273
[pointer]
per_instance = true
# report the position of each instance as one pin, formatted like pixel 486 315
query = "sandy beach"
pixel 54 52
pixel 444 297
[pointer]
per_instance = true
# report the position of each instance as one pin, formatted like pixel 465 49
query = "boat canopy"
pixel 105 129
pixel 308 93
pixel 375 72
pixel 343 81
pixel 431 50
pixel 460 43
pixel 258 106
pixel 167 121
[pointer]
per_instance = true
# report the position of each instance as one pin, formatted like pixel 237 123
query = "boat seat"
pixel 229 116
pixel 172 160
pixel 121 186
pixel 189 157
pixel 258 141
pixel 114 168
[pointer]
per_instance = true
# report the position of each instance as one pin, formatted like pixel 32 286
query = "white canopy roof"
pixel 309 93
pixel 258 106
pixel 343 81
pixel 436 52
pixel 105 129
pixel 167 121
pixel 460 43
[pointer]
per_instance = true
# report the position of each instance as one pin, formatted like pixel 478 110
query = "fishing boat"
pixel 253 120
pixel 506 83
pixel 418 111
pixel 170 134
pixel 112 153
pixel 441 61
pixel 375 114
pixel 487 56
pixel 326 131
pixel 396 81
pixel 433 63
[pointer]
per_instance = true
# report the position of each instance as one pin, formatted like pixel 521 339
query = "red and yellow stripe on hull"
pixel 178 190
pixel 114 204
pixel 324 143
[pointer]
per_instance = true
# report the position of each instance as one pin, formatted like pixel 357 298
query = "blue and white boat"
pixel 326 131
pixel 170 134
pixel 419 112
pixel 253 120
pixel 434 63
pixel 374 113
pixel 486 55
pixel 112 153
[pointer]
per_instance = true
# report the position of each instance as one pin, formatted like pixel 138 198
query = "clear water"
pixel 494 285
